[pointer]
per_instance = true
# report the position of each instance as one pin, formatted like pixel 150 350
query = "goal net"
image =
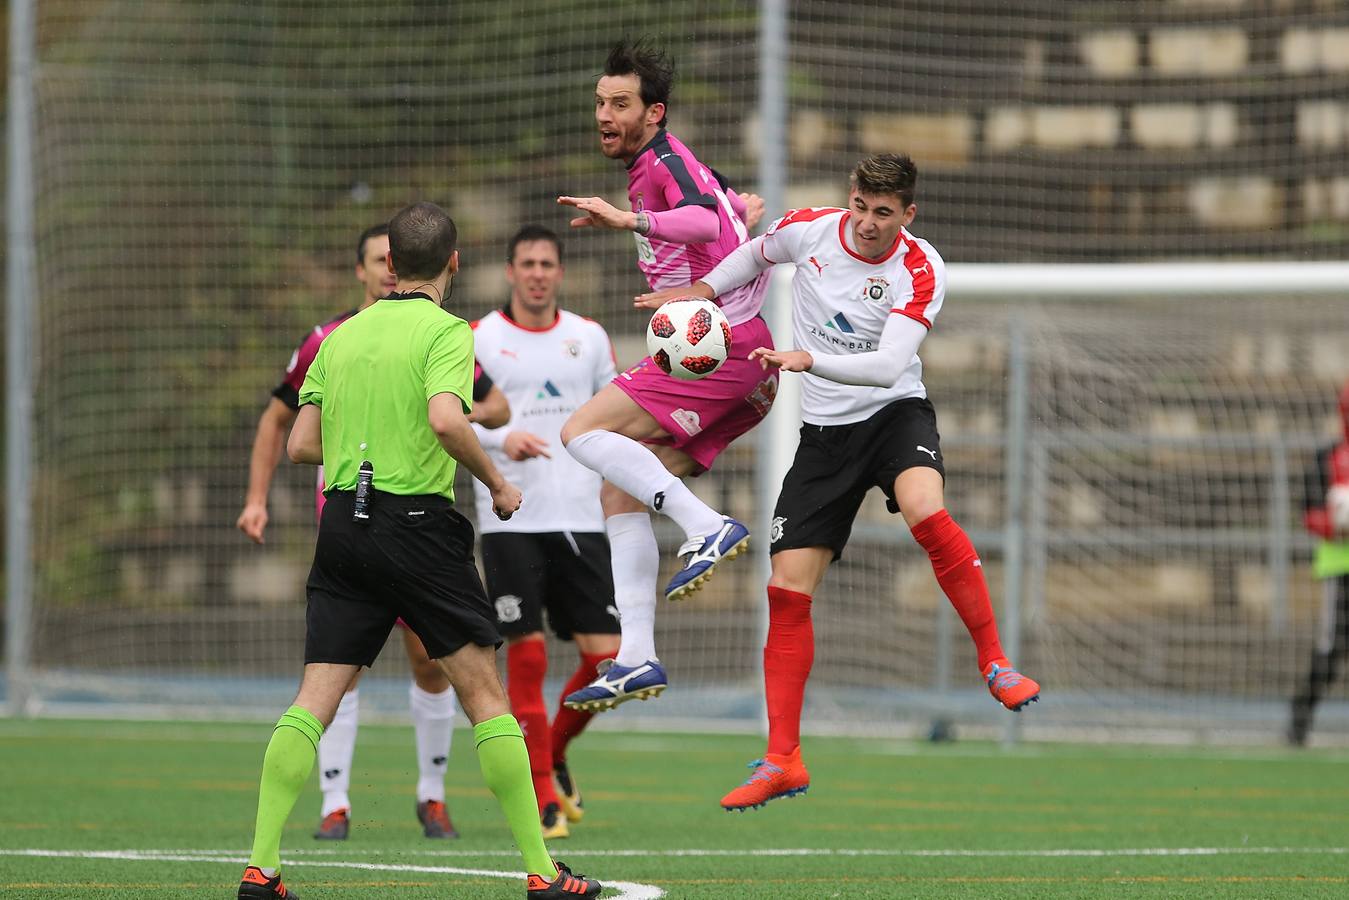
pixel 203 169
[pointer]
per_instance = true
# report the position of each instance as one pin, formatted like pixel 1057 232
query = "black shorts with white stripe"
pixel 835 466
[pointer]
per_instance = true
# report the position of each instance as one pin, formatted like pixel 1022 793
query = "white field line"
pixel 627 890
pixel 303 857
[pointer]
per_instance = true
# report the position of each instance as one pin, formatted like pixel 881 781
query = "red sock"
pixel 961 577
pixel 568 723
pixel 787 658
pixel 526 664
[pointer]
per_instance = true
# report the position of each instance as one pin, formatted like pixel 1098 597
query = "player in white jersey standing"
pixel 865 294
pixel 554 555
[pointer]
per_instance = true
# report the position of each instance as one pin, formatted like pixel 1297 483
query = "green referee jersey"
pixel 372 378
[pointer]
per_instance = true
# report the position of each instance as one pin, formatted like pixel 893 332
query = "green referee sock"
pixel 505 768
pixel 285 768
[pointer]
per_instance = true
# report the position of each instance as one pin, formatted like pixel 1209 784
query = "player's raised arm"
pixel 599 213
pixel 879 368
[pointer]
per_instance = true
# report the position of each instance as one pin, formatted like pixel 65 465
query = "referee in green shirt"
pixel 391 388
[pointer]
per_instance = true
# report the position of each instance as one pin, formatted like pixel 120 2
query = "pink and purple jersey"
pixel 288 391
pixel 665 175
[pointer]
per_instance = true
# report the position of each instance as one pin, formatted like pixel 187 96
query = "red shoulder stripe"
pixel 924 282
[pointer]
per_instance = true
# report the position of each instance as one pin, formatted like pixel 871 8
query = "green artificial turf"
pixel 882 819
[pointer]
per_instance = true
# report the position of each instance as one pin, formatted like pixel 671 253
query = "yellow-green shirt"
pixel 372 379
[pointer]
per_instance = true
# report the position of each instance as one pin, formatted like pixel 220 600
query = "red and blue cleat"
pixel 1008 686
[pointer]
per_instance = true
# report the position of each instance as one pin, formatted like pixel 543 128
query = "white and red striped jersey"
pixel 841 301
pixel 546 374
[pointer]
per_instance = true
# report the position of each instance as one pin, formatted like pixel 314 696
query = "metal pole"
pixel 1014 469
pixel 19 341
pixel 775 448
pixel 1281 535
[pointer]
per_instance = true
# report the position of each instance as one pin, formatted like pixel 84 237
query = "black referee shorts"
pixel 413 558
pixel 566 573
pixel 835 466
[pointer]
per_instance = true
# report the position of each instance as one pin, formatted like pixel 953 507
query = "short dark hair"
pixel 887 173
pixel 652 66
pixel 528 234
pixel 421 239
pixel 373 231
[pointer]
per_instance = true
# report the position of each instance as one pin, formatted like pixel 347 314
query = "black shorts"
pixel 835 466
pixel 564 572
pixel 413 559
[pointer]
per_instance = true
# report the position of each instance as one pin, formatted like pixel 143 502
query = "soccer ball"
pixel 689 338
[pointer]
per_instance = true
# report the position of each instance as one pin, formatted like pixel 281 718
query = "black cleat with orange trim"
pixel 566 886
pixel 257 886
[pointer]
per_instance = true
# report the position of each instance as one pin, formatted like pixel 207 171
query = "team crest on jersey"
pixel 508 608
pixel 572 347
pixel 775 532
pixel 877 290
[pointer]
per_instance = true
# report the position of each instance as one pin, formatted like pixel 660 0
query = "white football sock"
pixel 336 749
pixel 636 563
pixel 433 720
pixel 632 468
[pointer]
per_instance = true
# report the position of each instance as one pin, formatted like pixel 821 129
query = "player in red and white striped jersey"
pixel 865 293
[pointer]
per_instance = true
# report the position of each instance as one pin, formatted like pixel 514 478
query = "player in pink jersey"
pixel 864 296
pixel 430 696
pixel 646 429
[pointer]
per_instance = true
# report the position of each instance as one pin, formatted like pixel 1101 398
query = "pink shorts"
pixel 702 417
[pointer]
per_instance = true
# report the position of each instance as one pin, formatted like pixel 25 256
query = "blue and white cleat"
pixel 617 684
pixel 701 556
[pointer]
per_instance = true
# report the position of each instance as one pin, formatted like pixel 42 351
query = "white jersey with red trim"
pixel 842 300
pixel 546 374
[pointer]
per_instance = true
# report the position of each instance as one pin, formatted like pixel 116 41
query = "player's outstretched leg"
pixel 631 467
pixel 636 672
pixel 961 576
pixel 788 657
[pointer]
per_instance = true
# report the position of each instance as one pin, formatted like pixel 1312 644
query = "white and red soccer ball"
pixel 689 338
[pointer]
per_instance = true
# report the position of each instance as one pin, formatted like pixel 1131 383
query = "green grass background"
pixel 71 785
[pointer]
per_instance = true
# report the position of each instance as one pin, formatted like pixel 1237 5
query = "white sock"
pixel 433 720
pixel 632 468
pixel 635 561
pixel 336 749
